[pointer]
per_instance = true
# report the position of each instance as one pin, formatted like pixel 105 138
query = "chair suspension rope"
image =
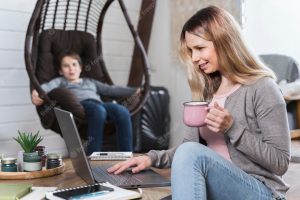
pixel 87 15
pixel 66 14
pixel 45 14
pixel 77 14
pixel 54 15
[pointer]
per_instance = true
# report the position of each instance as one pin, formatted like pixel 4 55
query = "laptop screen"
pixel 73 142
pixel 146 178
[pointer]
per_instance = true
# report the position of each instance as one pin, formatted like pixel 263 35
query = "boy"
pixel 88 93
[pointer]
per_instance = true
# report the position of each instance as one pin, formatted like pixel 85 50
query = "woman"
pixel 246 134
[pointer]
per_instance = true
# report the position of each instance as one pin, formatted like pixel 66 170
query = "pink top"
pixel 216 141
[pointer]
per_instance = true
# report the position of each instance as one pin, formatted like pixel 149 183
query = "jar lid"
pixel 52 156
pixel 9 160
pixel 40 148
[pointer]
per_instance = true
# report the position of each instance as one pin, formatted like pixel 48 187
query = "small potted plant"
pixel 31 159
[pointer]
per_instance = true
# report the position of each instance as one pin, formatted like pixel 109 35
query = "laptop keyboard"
pixel 126 178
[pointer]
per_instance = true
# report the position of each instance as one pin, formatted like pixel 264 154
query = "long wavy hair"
pixel 235 60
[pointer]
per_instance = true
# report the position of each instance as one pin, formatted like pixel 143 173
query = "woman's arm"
pixel 163 158
pixel 269 146
pixel 155 158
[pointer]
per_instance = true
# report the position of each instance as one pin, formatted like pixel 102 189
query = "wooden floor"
pixel 293 175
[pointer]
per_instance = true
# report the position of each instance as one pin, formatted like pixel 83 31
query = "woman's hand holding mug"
pixel 218 119
pixel 199 113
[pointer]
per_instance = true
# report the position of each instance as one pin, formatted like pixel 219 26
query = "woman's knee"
pixel 190 151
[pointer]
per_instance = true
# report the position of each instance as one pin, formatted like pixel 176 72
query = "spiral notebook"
pixel 99 191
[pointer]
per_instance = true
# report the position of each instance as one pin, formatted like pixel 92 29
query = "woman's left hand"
pixel 218 119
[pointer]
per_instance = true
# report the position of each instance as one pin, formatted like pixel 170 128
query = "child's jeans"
pixel 200 173
pixel 97 114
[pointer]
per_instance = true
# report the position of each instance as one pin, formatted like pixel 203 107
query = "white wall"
pixel 117 41
pixel 16 109
pixel 165 70
pixel 272 26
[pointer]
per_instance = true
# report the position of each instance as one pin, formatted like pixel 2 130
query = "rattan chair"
pixel 74 25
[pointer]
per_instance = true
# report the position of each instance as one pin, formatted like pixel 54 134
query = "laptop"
pixel 92 174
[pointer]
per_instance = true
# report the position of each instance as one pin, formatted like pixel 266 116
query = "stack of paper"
pixel 120 193
pixel 38 193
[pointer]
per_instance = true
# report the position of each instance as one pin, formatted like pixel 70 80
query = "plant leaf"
pixel 28 141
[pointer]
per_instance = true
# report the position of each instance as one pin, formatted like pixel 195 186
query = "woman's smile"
pixel 203 66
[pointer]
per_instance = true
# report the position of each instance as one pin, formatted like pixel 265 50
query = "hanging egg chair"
pixel 75 25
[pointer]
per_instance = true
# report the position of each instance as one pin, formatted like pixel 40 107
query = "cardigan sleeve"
pixel 163 158
pixel 269 147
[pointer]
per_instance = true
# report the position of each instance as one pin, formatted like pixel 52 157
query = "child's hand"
pixel 138 91
pixel 36 100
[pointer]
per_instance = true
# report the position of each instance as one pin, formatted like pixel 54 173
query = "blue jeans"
pixel 200 173
pixel 97 114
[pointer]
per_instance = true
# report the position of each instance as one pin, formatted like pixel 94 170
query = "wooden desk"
pixel 70 179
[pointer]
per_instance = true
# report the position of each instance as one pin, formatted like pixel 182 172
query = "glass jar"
pixel 60 159
pixel 42 153
pixel 1 157
pixel 52 160
pixel 9 165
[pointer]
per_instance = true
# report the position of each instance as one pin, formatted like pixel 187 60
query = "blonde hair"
pixel 235 60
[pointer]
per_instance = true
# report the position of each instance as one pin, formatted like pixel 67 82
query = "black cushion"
pixel 53 42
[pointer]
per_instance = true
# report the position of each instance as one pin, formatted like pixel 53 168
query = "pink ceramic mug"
pixel 194 113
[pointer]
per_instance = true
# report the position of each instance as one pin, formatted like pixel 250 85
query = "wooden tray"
pixel 32 175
